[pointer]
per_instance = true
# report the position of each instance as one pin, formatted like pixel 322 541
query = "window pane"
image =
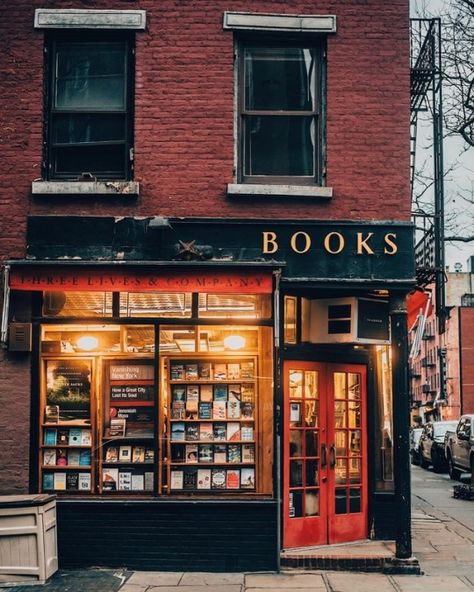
pixel 155 304
pixel 235 306
pixel 77 304
pixel 279 146
pixel 279 79
pixel 90 76
pixel 77 129
pixel 108 159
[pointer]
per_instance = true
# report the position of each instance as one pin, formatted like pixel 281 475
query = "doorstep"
pixel 366 556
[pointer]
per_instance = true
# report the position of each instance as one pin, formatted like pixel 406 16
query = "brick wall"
pixel 467 359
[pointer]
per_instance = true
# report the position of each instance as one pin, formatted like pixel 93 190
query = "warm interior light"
pixel 234 342
pixel 87 342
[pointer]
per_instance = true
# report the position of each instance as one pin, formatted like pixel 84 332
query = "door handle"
pixel 332 456
pixel 324 461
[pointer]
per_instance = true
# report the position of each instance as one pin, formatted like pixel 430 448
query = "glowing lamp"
pixel 234 342
pixel 87 343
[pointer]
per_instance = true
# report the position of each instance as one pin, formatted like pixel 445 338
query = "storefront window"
pixel 290 320
pixel 235 306
pixel 77 304
pixel 155 304
pixel 384 431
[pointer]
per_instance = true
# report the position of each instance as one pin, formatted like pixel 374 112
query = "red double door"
pixel 325 454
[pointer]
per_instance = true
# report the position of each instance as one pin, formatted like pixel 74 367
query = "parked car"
pixel 459 447
pixel 432 445
pixel 415 434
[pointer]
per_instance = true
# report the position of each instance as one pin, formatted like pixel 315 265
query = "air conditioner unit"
pixel 349 320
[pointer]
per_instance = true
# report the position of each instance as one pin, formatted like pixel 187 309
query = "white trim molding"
pixel 268 190
pixel 303 23
pixel 116 188
pixel 76 18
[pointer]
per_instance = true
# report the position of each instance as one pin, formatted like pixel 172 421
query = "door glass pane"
pixel 341 443
pixel 296 473
pixel 340 419
pixel 279 145
pixel 354 500
pixel 295 509
pixel 311 385
pixel 311 443
pixel 354 442
pixel 354 415
pixel 296 418
pixel 340 500
pixel 311 502
pixel 296 442
pixel 353 386
pixel 296 384
pixel 311 472
pixel 311 413
pixel 339 385
pixel 341 471
pixel 355 470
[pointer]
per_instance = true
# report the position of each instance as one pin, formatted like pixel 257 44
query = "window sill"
pixel 117 188
pixel 267 190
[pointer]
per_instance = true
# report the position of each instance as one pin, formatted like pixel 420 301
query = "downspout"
pixel 277 398
pixel 5 306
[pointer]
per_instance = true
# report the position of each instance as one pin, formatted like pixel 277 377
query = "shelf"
pixel 66 467
pixel 76 446
pixel 223 381
pixel 123 462
pixel 210 464
pixel 228 420
pixel 212 441
pixel 126 438
pixel 71 424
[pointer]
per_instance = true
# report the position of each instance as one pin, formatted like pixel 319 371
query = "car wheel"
pixel 438 464
pixel 415 457
pixel 454 474
pixel 424 464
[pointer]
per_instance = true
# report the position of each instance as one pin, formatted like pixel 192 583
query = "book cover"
pixel 247 393
pixel 125 453
pixel 247 370
pixel 233 431
pixel 191 371
pixel 178 453
pixel 73 457
pixel 63 436
pixel 75 436
pixel 206 453
pixel 177 431
pixel 219 410
pixel 220 431
pixel 234 453
pixel 192 431
pixel 235 392
pixel 191 453
pixel 246 410
pixel 177 371
pixel 218 479
pixel 85 458
pixel 178 393
pixel 177 410
pixel 61 457
pixel 48 481
pixel 220 392
pixel 149 481
pixel 50 437
pixel 247 478
pixel 49 457
pixel 246 433
pixel 51 414
pixel 233 409
pixel 84 482
pixel 111 454
pixel 220 453
pixel 204 371
pixel 233 479
pixel 125 481
pixel 117 427
pixel 72 481
pixel 138 482
pixel 206 393
pixel 248 453
pixel 138 454
pixel 149 455
pixel 60 481
pixel 86 437
pixel 192 402
pixel 206 432
pixel 190 479
pixel 220 372
pixel 205 410
pixel 68 386
pixel 176 480
pixel 233 371
pixel 204 479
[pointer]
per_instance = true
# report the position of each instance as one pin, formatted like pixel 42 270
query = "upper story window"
pixel 280 113
pixel 89 133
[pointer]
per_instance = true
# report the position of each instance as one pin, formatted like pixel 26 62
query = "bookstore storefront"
pixel 209 413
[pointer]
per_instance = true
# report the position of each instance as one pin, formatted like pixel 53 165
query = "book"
pixel 191 372
pixel 48 481
pixel 205 410
pixel 111 454
pixel 246 433
pixel 177 432
pixel 233 371
pixel 206 393
pixel 246 410
pixel 234 392
pixel 49 457
pixel 178 393
pixel 192 402
pixel 218 479
pixel 178 453
pixel 149 481
pixel 73 457
pixel 247 478
pixel 149 455
pixel 138 482
pixel 246 370
pixel 75 436
pixel 220 431
pixel 59 481
pixel 109 479
pixel 125 453
pixel 204 371
pixel 220 392
pixel 248 453
pixel 219 410
pixel 125 481
pixel 233 479
pixel 50 436
pixel 138 454
pixel 117 427
pixel 177 371
pixel 233 409
pixel 84 482
pixel 178 410
pixel 233 453
pixel 191 453
pixel 72 481
pixel 63 436
pixel 206 453
pixel 192 431
pixel 85 458
pixel 220 453
pixel 233 431
pixel 220 372
pixel 190 479
pixel 176 481
pixel 206 431
pixel 51 414
pixel 204 479
pixel 86 437
pixel 61 457
pixel 247 393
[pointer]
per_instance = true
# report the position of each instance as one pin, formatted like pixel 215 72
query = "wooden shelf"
pixel 211 464
pixel 66 467
pixel 75 424
pixel 133 464
pixel 77 446
pixel 223 381
pixel 229 420
pixel 212 441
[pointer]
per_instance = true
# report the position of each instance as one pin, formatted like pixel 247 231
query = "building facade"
pixel 207 246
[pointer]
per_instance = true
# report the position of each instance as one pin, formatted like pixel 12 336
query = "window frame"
pixel 55 39
pixel 316 44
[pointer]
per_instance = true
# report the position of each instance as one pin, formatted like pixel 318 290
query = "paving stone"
pixel 211 579
pixel 280 589
pixel 431 583
pixel 229 588
pixel 155 578
pixel 342 582
pixel 133 588
pixel 280 581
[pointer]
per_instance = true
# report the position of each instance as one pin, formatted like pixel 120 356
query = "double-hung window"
pixel 280 113
pixel 89 132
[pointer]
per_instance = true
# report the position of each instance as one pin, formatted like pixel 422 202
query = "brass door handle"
pixel 332 456
pixel 324 461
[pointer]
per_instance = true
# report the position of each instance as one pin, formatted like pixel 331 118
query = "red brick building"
pixel 216 196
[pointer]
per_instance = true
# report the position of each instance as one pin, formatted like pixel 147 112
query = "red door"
pixel 325 454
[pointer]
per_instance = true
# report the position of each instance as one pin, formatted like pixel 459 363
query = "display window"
pixel 148 408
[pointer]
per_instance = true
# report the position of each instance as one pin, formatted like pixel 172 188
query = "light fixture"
pixel 234 342
pixel 87 342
